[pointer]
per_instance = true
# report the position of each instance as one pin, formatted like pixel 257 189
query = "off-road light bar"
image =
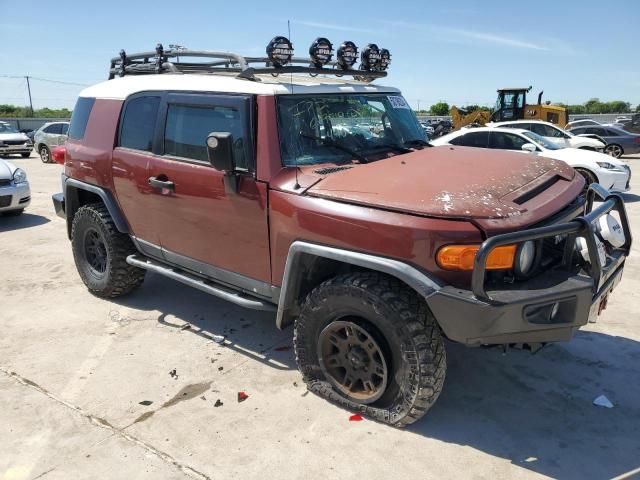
pixel 370 57
pixel 280 51
pixel 321 52
pixel 347 55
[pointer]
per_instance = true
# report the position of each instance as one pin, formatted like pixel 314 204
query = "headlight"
pixel 525 256
pixel 19 176
pixel 606 165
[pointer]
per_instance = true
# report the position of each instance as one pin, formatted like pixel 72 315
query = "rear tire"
pixel 614 150
pixel 392 365
pixel 100 252
pixel 25 155
pixel 45 154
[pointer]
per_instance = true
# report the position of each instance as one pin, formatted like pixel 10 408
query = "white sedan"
pixel 15 194
pixel 554 134
pixel 611 173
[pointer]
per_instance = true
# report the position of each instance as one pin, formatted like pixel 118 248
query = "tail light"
pixel 59 154
pixel 637 140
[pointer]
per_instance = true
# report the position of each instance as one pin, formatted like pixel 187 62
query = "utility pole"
pixel 30 102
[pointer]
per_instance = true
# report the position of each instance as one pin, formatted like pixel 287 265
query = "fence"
pixel 31 123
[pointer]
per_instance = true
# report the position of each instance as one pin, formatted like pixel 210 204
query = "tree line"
pixel 593 106
pixel 13 111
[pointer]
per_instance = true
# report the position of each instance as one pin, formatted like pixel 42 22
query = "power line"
pixel 62 82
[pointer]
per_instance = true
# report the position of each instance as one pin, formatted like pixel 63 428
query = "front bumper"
pixel 615 180
pixel 15 149
pixel 520 314
pixel 15 197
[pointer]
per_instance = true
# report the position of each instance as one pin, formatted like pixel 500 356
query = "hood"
pixel 6 170
pixel 12 137
pixel 590 141
pixel 457 182
pixel 574 156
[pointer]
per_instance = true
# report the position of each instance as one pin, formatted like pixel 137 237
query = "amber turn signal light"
pixel 461 257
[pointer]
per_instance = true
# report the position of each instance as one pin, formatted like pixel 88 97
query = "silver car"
pixel 14 142
pixel 48 136
pixel 15 194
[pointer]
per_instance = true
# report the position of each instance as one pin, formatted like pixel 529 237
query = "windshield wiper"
pixel 332 143
pixel 416 142
pixel 391 146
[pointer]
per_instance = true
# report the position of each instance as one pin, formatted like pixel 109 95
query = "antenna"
pixel 297 184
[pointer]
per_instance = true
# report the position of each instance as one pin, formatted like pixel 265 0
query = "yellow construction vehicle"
pixel 511 105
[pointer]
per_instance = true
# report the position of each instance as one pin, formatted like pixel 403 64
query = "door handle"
pixel 154 182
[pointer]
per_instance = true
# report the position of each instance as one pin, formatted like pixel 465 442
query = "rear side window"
pixel 473 139
pixel 139 123
pixel 612 133
pixel 80 117
pixel 188 127
pixel 506 141
pixel 55 129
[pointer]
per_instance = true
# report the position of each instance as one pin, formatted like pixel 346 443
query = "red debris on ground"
pixel 286 348
pixel 355 418
pixel 242 397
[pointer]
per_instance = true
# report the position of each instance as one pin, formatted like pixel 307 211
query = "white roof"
pixel 121 88
pixel 505 122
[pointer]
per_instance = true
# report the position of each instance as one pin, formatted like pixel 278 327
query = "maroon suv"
pixel 318 198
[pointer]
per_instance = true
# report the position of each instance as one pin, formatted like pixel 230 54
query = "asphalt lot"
pixel 74 369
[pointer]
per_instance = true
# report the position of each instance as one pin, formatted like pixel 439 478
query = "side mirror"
pixel 529 147
pixel 220 151
pixel 221 157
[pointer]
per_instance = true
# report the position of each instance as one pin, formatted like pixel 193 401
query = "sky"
pixel 454 51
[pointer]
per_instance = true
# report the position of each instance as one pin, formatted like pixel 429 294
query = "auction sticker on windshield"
pixel 398 102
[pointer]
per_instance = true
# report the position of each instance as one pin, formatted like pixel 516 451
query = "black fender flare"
pixel 105 195
pixel 300 251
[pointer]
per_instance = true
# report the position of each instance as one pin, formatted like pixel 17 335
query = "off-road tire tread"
pixel 414 323
pixel 123 278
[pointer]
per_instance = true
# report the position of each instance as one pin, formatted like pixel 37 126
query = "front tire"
pixel 45 154
pixel 25 155
pixel 614 150
pixel 588 176
pixel 370 344
pixel 100 252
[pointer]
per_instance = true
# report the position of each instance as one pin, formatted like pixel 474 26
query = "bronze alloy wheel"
pixel 353 361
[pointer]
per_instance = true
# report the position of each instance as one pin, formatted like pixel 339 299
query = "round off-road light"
pixel 280 51
pixel 212 142
pixel 385 60
pixel 525 257
pixel 611 230
pixel 321 52
pixel 347 55
pixel 370 57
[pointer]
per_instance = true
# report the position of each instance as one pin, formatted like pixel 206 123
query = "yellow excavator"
pixel 511 105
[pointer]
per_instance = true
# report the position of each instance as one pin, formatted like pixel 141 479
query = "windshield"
pixel 541 140
pixel 6 128
pixel 318 129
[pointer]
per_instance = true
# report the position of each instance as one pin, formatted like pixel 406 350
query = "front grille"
pixel 4 182
pixel 13 142
pixel 5 201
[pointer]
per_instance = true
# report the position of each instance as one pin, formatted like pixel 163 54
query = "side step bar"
pixel 211 288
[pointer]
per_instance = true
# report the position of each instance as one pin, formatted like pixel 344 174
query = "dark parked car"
pixel 619 142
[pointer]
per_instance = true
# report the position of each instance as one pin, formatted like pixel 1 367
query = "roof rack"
pixel 226 63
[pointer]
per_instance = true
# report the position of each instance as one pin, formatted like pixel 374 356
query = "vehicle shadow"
pixel 631 197
pixel 536 410
pixel 26 220
pixel 248 332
